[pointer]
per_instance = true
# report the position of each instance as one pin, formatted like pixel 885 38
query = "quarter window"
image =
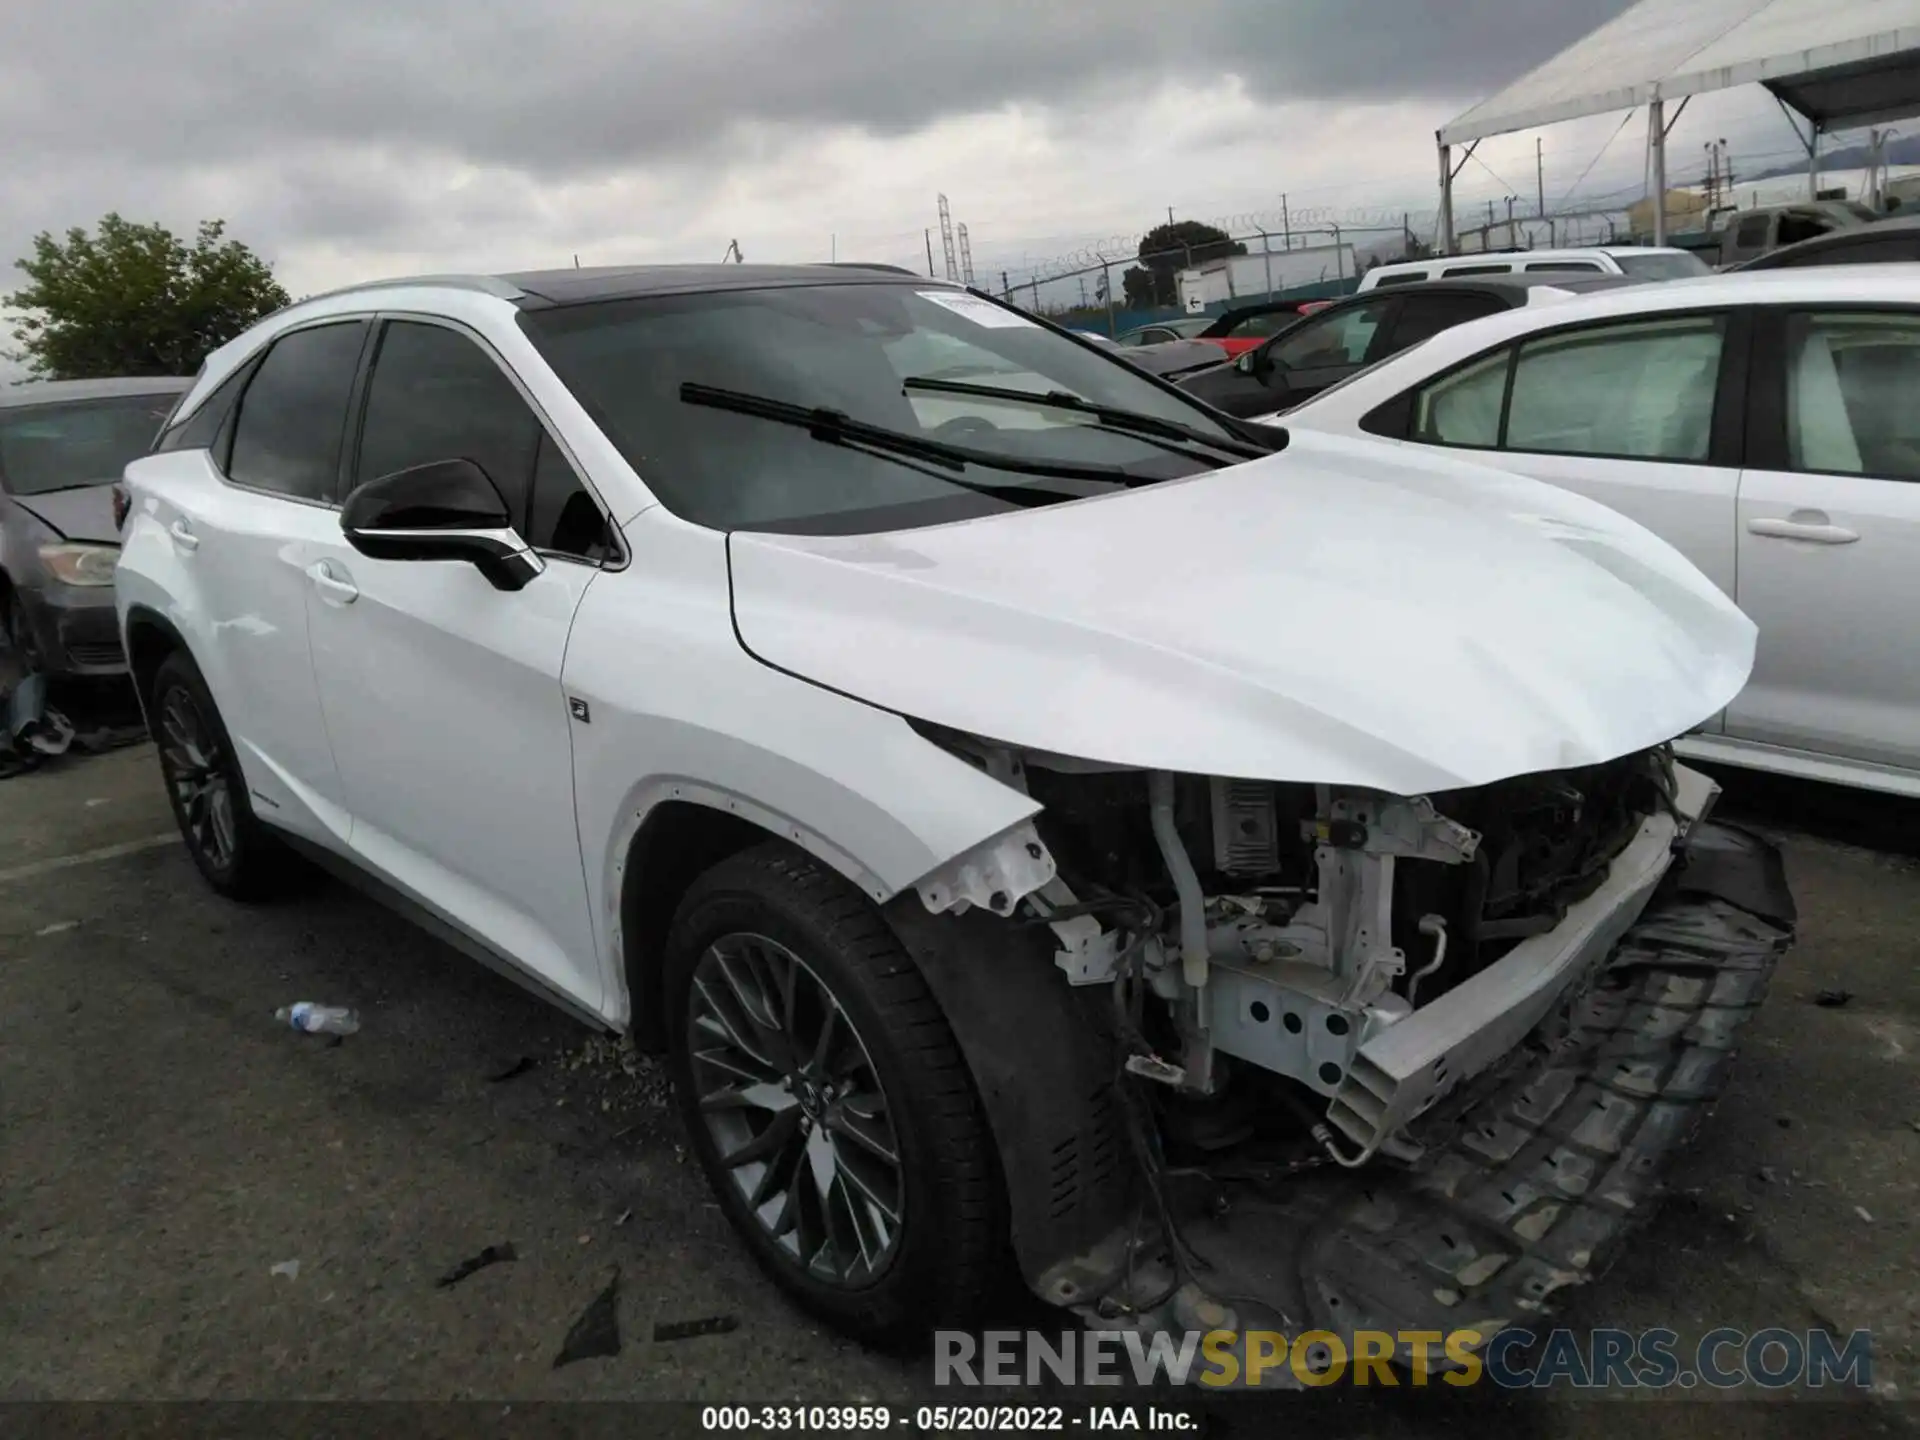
pixel 287 437
pixel 1642 391
pixel 1851 379
pixel 1464 408
pixel 436 395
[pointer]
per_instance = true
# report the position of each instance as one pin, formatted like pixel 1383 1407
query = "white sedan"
pixel 1766 425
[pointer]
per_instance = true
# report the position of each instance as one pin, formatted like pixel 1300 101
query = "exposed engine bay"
pixel 1509 1004
pixel 1282 927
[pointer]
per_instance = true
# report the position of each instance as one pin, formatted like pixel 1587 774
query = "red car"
pixel 1235 331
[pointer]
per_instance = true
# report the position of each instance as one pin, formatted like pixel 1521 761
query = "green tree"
pixel 135 300
pixel 1167 249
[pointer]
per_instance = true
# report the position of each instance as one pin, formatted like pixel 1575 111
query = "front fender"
pixel 679 712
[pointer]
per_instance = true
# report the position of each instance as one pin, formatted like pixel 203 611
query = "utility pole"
pixel 1540 176
pixel 1083 292
pixel 1513 240
pixel 1006 287
pixel 833 247
pixel 929 234
pixel 1286 226
pixel 1170 215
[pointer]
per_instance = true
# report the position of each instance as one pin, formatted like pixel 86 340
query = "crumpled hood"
pixel 1334 613
pixel 84 513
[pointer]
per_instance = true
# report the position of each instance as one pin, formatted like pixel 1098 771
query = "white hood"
pixel 1334 613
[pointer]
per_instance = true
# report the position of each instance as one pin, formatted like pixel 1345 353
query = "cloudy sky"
pixel 369 137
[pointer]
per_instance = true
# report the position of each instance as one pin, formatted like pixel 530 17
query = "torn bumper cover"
pixel 1527 1182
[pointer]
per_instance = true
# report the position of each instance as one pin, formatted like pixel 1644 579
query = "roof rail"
pixel 486 284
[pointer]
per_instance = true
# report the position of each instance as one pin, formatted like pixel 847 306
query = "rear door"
pixel 1640 414
pixel 244 519
pixel 442 694
pixel 1829 536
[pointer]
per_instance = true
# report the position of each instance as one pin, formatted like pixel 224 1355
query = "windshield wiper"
pixel 835 427
pixel 1130 421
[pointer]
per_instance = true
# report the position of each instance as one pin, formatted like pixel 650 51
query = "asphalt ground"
pixel 169 1155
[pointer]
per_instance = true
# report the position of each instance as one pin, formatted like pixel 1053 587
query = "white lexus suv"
pixel 1047 824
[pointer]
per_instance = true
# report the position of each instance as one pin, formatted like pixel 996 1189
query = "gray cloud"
pixel 314 124
pixel 579 85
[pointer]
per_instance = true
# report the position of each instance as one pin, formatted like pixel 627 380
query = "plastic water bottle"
pixel 318 1019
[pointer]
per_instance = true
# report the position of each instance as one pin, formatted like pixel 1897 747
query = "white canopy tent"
pixel 1837 63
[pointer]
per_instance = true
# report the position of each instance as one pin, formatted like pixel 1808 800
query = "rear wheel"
pixel 828 1102
pixel 236 854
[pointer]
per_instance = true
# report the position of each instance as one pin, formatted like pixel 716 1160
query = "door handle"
pixel 336 588
pixel 1815 529
pixel 182 536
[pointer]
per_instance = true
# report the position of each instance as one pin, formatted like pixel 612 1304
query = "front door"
pixel 442 694
pixel 1829 538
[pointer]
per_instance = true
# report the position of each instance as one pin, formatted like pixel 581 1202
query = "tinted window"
pixel 1478 270
pixel 1643 391
pixel 1887 250
pixel 436 395
pixel 1339 337
pixel 1796 227
pixel 1404 278
pixel 83 442
pixel 1464 408
pixel 562 515
pixel 287 436
pixel 1678 265
pixel 1423 316
pixel 1752 232
pixel 1585 267
pixel 1851 380
pixel 1261 326
pixel 851 348
pixel 200 429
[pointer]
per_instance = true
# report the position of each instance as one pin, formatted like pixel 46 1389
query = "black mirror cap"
pixel 443 510
pixel 440 495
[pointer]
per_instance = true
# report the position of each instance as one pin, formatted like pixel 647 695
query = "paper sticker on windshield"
pixel 972 307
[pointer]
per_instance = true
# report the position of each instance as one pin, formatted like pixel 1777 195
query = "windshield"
pixel 84 442
pixel 1677 265
pixel 849 349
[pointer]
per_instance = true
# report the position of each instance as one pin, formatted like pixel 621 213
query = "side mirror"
pixel 443 510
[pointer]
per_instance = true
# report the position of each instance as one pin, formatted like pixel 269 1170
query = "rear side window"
pixel 1639 391
pixel 436 395
pixel 1422 316
pixel 287 437
pixel 1851 379
pixel 1478 270
pixel 1584 267
pixel 1405 277
pixel 1752 232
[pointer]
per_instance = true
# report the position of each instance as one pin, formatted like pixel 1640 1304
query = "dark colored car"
pixel 1239 330
pixel 63 444
pixel 1362 330
pixel 1884 242
pixel 1163 331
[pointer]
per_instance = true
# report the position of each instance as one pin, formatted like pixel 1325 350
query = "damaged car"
pixel 1046 823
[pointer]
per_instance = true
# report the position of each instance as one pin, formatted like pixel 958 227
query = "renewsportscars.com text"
pixel 1510 1359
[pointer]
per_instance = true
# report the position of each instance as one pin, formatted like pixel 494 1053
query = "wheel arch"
pixel 150 637
pixel 686 830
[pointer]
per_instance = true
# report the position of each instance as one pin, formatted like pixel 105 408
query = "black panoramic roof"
pixel 625 282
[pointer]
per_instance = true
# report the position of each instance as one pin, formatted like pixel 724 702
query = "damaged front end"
pixel 1340 1059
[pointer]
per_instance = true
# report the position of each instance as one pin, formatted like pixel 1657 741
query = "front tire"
pixel 828 1102
pixel 233 850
